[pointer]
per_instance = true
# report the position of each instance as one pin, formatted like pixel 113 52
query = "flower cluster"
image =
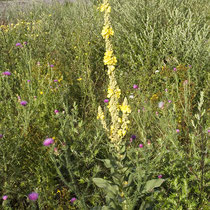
pixel 119 113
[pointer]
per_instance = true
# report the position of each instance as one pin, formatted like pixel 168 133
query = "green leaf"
pixel 101 183
pixel 151 184
pixel 107 163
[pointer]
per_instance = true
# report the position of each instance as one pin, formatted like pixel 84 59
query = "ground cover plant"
pixel 104 105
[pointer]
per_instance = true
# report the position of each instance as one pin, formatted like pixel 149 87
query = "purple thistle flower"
pixel 160 176
pixel 141 145
pixel 25 43
pixel 169 101
pixel 23 103
pixel 73 200
pixel 166 90
pixel 1 136
pixel 28 80
pixel 56 111
pixel 33 196
pixel 6 73
pixel 175 69
pixel 51 65
pixel 177 130
pixel 106 100
pixel 190 66
pixel 4 197
pixel 208 131
pixel 55 80
pixel 18 44
pixel 48 142
pixel 133 137
pixel 135 86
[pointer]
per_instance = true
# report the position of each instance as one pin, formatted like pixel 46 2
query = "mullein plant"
pixel 119 121
pixel 120 191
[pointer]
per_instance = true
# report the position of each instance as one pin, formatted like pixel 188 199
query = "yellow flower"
pixel 106 7
pixel 110 92
pixel 109 59
pixel 79 79
pixel 107 32
pixel 41 92
pixel 125 109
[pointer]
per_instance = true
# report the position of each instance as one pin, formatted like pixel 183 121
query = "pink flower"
pixel 4 197
pixel 56 111
pixel 1 136
pixel 160 176
pixel 169 101
pixel 177 130
pixel 106 100
pixel 6 73
pixel 33 196
pixel 149 143
pixel 141 145
pixel 166 90
pixel 73 200
pixel 48 142
pixel 175 69
pixel 23 103
pixel 135 86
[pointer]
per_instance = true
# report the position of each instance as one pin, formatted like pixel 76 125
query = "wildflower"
pixel 175 69
pixel 109 59
pixel 73 200
pixel 41 93
pixel 149 143
pixel 208 131
pixel 157 71
pixel 185 82
pixel 18 44
pixel 28 80
pixel 48 142
pixel 79 79
pixel 140 145
pixel 33 196
pixel 38 63
pixel 4 197
pixel 133 137
pixel 106 100
pixel 160 176
pixel 55 80
pixel 23 103
pixel 51 65
pixel 1 136
pixel 107 32
pixel 156 113
pixel 139 110
pixel 125 108
pixel 166 90
pixel 190 66
pixel 160 105
pixel 56 111
pixel 177 130
pixel 6 73
pixel 56 151
pixel 131 96
pixel 135 86
pixel 25 43
pixel 169 101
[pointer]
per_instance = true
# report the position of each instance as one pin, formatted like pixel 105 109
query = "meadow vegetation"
pixel 56 70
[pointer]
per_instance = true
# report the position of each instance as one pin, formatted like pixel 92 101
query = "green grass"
pixel 150 40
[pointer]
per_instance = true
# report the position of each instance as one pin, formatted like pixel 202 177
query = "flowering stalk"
pixel 119 125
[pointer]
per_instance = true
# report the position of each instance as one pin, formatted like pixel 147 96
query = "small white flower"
pixel 161 104
pixel 131 96
pixel 157 71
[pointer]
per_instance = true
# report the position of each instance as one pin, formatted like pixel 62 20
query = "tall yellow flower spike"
pixel 119 113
